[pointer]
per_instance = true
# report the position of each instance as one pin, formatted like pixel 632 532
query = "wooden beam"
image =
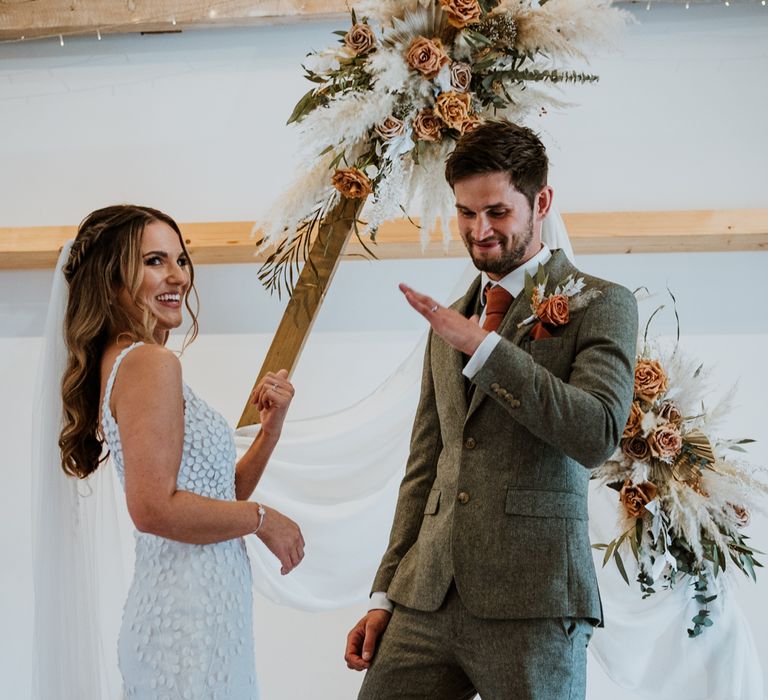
pixel 39 18
pixel 591 233
pixel 308 295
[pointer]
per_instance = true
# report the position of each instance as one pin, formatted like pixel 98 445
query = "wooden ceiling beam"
pixel 40 18
pixel 591 233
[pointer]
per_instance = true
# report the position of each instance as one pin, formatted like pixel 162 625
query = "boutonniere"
pixel 553 309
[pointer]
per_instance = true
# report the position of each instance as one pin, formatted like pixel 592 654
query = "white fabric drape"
pixel 337 475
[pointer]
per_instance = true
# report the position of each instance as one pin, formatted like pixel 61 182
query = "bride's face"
pixel 165 279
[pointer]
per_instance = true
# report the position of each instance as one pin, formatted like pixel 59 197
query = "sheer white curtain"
pixel 338 476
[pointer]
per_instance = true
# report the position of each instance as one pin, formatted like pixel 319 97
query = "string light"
pixel 173 21
pixel 648 6
pixel 61 40
pixel 98 34
pixel 687 5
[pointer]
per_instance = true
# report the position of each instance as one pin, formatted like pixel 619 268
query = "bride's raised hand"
pixel 283 538
pixel 272 396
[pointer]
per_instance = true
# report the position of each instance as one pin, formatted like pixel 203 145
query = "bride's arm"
pixel 148 403
pixel 272 396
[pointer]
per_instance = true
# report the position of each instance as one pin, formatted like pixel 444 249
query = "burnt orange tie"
pixel 497 301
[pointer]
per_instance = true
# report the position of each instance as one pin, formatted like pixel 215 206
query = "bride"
pixel 186 630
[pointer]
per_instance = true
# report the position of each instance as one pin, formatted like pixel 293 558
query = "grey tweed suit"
pixel 494 497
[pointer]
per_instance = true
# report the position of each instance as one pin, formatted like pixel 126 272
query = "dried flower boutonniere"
pixel 553 309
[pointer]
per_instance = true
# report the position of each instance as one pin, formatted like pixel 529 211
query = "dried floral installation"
pixel 684 497
pixel 389 103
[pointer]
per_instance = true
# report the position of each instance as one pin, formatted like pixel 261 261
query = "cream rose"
pixel 635 497
pixel 426 126
pixel 390 128
pixel 554 310
pixel 360 39
pixel 634 422
pixel 352 183
pixel 650 380
pixel 665 441
pixel 461 12
pixel 426 56
pixel 461 76
pixel 453 109
pixel 670 413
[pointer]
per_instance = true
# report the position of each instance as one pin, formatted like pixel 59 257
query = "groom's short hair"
pixel 501 146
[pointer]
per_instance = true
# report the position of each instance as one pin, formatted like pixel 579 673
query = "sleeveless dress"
pixel 187 630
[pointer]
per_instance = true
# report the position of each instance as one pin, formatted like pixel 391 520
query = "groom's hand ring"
pixel 434 308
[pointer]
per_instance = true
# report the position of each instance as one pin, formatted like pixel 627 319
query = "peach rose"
pixel 461 76
pixel 453 108
pixel 471 123
pixel 665 441
pixel 426 126
pixel 670 413
pixel 553 310
pixel 634 422
pixel 636 448
pixel 360 39
pixel 636 496
pixel 352 183
pixel 650 380
pixel 390 128
pixel 461 12
pixel 426 56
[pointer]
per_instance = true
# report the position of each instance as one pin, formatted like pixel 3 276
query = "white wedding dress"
pixel 187 623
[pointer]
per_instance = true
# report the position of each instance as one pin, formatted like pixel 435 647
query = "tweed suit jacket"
pixel 495 491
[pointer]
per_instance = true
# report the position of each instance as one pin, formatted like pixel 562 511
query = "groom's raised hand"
pixel 363 639
pixel 464 334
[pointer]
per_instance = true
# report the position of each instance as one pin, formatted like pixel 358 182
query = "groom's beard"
pixel 514 246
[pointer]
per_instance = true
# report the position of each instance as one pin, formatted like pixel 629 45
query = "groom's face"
pixel 496 223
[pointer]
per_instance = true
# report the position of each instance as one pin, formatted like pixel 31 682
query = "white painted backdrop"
pixel 194 124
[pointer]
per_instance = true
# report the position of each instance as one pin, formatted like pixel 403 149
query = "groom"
pixel 487 585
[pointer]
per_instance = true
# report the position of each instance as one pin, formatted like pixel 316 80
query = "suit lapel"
pixel 451 359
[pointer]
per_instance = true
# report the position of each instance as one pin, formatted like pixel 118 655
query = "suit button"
pixel 470 443
pixel 463 497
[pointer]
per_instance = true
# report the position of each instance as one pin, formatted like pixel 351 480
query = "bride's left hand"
pixel 272 396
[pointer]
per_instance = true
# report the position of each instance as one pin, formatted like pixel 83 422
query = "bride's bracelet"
pixel 262 514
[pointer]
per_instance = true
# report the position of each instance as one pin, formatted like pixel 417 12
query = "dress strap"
pixel 105 410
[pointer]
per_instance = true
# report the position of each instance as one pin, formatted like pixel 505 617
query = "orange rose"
pixel 453 108
pixel 426 56
pixel 636 496
pixel 390 128
pixel 461 12
pixel 636 448
pixel 553 310
pixel 634 421
pixel 470 124
pixel 360 39
pixel 665 441
pixel 426 126
pixel 650 380
pixel 352 183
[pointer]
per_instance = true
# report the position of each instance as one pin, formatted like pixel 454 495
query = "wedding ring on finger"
pixel 434 308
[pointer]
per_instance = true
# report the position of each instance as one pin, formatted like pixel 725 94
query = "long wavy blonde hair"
pixel 105 258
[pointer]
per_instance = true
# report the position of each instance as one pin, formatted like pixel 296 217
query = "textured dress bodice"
pixel 187 623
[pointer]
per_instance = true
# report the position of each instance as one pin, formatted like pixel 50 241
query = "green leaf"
pixel 620 565
pixel 747 561
pixel 305 105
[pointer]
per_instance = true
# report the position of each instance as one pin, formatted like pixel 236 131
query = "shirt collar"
pixel 514 282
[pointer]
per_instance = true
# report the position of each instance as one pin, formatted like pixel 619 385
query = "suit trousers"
pixel 451 655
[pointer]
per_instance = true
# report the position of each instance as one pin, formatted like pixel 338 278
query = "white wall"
pixel 194 124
